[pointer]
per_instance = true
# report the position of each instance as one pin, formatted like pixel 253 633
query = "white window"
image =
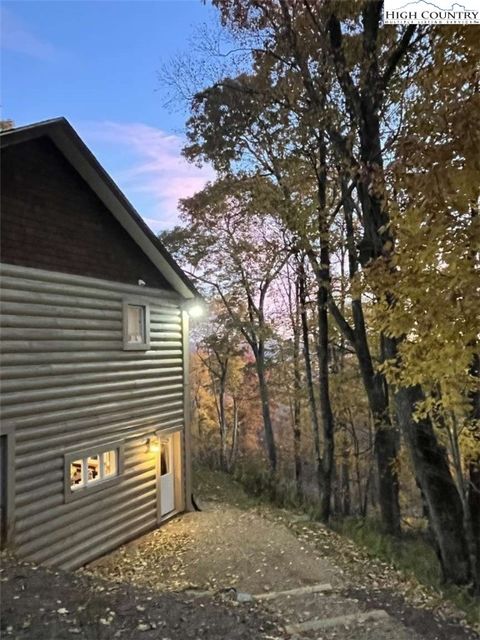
pixel 89 469
pixel 136 321
pixel 136 324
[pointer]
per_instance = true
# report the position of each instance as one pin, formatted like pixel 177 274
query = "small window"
pixel 109 463
pixel 76 474
pixel 92 468
pixel 136 324
pixel 165 461
pixel 136 320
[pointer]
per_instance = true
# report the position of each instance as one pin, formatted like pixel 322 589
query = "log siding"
pixel 68 385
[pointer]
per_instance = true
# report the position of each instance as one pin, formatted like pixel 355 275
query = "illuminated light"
pixel 153 446
pixel 195 311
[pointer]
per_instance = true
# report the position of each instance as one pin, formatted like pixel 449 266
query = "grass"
pixel 248 487
pixel 413 556
pixel 221 487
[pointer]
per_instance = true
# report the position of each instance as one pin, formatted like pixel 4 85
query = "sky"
pixel 96 63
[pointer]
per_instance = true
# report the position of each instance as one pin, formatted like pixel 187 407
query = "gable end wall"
pixel 67 386
pixel 51 219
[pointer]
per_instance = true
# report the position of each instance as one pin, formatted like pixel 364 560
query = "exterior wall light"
pixel 195 310
pixel 153 446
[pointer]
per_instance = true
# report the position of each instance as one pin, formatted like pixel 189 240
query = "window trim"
pixel 98 485
pixel 136 346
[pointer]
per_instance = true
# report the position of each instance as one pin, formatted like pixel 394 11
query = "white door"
pixel 167 483
pixel 3 489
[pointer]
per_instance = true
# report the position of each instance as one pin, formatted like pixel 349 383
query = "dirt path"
pixel 219 548
pixel 38 604
pixel 200 575
pixel 235 549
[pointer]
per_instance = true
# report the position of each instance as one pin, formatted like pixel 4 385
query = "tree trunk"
pixel 322 273
pixel 346 478
pixel 309 374
pixel 463 488
pixel 234 448
pixel 324 395
pixel 219 395
pixel 474 478
pixel 297 385
pixel 385 455
pixel 369 492
pixel 197 415
pixel 474 506
pixel 358 475
pixel 337 489
pixel 223 431
pixel 386 438
pixel 438 488
pixel 265 401
pixel 222 417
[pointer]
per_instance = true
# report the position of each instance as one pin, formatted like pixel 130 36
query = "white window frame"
pixel 94 485
pixel 136 346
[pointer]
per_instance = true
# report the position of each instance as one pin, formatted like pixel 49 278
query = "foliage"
pixel 412 555
pixel 436 177
pixel 351 148
pixel 6 125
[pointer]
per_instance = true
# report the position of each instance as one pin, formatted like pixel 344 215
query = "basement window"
pixel 136 326
pixel 89 469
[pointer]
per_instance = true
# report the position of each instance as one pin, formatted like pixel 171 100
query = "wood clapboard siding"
pixel 68 385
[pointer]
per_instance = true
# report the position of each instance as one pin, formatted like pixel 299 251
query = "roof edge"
pixel 67 140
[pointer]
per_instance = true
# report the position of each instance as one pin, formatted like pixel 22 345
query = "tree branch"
pixel 397 55
pixel 345 329
pixel 344 78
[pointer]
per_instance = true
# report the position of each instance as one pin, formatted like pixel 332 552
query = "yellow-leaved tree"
pixel 435 182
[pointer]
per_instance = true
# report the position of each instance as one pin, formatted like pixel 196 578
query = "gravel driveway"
pixel 236 546
pixel 198 575
pixel 38 604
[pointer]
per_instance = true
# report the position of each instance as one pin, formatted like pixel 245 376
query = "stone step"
pixel 345 621
pixel 300 608
pixel 300 591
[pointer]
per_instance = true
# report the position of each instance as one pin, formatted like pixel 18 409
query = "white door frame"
pixel 8 469
pixel 167 476
pixel 176 461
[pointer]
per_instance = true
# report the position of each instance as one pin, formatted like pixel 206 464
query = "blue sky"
pixel 96 63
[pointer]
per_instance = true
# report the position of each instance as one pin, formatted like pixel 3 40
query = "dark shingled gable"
pixel 51 219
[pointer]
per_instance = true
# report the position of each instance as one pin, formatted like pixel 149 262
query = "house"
pixel 94 324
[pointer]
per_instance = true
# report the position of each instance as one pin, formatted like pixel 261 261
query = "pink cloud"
pixel 148 166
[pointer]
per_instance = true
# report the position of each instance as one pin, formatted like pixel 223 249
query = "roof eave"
pixel 82 159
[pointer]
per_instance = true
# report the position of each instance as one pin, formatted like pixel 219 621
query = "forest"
pixel 337 250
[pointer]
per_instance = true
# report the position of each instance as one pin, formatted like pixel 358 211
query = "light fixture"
pixel 195 309
pixel 153 446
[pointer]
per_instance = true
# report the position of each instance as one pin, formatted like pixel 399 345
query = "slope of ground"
pixel 237 543
pixel 198 575
pixel 40 604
